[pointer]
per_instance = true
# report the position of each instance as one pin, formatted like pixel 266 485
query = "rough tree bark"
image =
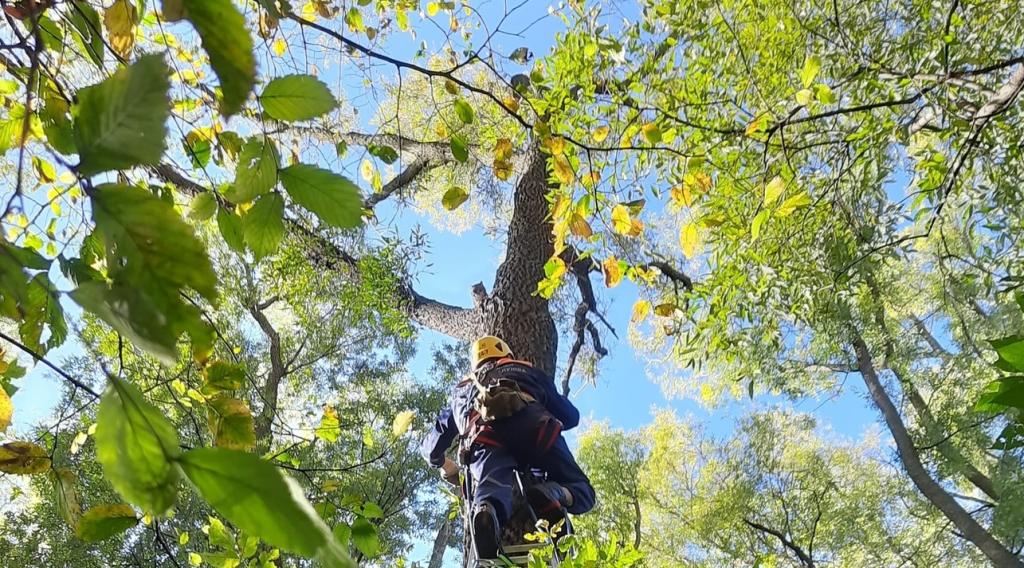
pixel 998 554
pixel 440 543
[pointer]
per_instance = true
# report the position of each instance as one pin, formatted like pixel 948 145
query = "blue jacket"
pixel 453 421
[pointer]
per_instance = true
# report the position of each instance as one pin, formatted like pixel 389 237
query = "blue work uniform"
pixel 504 445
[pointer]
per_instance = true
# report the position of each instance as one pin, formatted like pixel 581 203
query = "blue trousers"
pixel 493 470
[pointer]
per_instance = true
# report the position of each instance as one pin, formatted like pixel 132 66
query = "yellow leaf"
pixel 773 189
pixel 665 309
pixel 23 458
pixel 556 144
pixel 612 272
pixel 560 208
pixel 120 19
pixel 580 227
pixel 698 181
pixel 330 426
pixel 195 559
pixel 757 125
pixel 511 103
pixel 681 195
pixel 402 422
pixel 330 485
pixel 280 46
pixel 503 149
pixel 804 96
pixel 231 423
pixel 651 132
pixel 441 130
pixel 641 309
pixel 454 197
pixel 621 221
pixel 636 228
pixel 799 200
pixel 689 239
pixel 502 169
pixel 563 171
pixel 554 268
pixel 6 410
pixel 366 170
pixel 451 87
pixel 433 8
pixel 707 394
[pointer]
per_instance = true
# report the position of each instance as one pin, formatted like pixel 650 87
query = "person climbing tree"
pixel 508 415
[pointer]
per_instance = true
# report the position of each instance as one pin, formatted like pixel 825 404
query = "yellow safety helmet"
pixel 488 347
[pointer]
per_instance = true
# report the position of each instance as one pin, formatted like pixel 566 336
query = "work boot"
pixel 547 501
pixel 485 531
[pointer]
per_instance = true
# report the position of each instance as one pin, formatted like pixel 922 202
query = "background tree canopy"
pixel 212 240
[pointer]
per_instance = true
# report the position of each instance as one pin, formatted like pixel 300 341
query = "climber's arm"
pixel 559 406
pixel 439 438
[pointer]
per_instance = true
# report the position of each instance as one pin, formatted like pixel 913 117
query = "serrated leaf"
pixel 222 376
pixel 261 500
pixel 464 111
pixel 226 40
pixel 257 169
pixel 119 123
pixel 145 235
pixel 23 458
pixel 232 424
pixel 137 446
pixel 297 97
pixel 402 422
pixel 332 197
pixel 454 197
pixel 230 227
pixel 810 70
pixel 104 521
pixel 365 537
pixel 66 496
pixel 263 225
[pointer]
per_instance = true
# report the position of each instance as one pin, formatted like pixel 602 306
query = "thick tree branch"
pixel 274 377
pixel 932 490
pixel 403 179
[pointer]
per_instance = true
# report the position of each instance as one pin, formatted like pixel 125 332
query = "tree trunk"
pixel 515 313
pixel 440 543
pixel 964 522
pixel 265 419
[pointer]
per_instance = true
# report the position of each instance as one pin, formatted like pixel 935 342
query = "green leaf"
pixel 297 97
pixel 386 154
pixel 1002 393
pixel 23 458
pixel 341 148
pixel 86 22
pixel 759 221
pixel 144 235
pixel 232 425
pixel 342 535
pixel 773 190
pixel 230 227
pixel 332 197
pixel 42 309
pixel 226 40
pixel 203 207
pixel 790 205
pixel 222 376
pixel 261 500
pixel 464 111
pixel 365 537
pixel 454 197
pixel 57 126
pixel 263 225
pixel 824 94
pixel 119 123
pixel 804 96
pixel 197 148
pixel 137 446
pixel 105 521
pixel 1011 352
pixel 256 172
pixel 460 147
pixel 66 496
pixel 811 67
